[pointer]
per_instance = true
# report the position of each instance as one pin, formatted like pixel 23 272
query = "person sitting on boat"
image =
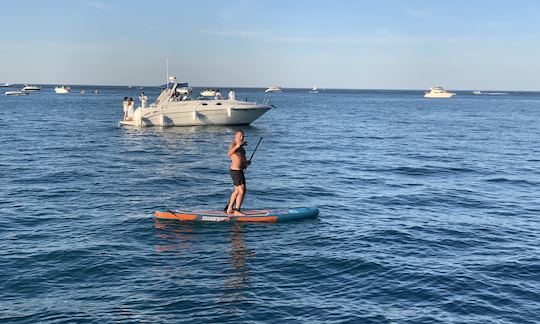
pixel 239 163
pixel 144 100
pixel 131 109
pixel 217 95
pixel 232 95
pixel 125 104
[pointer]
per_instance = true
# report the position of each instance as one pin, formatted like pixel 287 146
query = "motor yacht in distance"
pixel 5 85
pixel 314 90
pixel 438 92
pixel 62 89
pixel 173 109
pixel 478 92
pixel 29 88
pixel 208 92
pixel 16 93
pixel 274 89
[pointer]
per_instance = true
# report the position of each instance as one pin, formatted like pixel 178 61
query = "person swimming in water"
pixel 239 163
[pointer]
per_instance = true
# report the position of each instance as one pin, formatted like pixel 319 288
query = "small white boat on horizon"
pixel 62 89
pixel 314 90
pixel 209 92
pixel 16 93
pixel 438 92
pixel 274 89
pixel 5 85
pixel 478 92
pixel 29 88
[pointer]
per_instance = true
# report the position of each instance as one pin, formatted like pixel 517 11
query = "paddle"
pixel 250 158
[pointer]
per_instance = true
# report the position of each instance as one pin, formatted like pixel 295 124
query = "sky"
pixel 385 44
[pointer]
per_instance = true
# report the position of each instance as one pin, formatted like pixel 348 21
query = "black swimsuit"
pixel 238 177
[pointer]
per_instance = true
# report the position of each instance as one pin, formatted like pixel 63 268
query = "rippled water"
pixel 429 212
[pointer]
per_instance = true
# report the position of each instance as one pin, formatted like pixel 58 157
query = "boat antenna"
pixel 167 77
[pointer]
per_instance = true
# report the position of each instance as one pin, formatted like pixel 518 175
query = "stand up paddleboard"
pixel 258 215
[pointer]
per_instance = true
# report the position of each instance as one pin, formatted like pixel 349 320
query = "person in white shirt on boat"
pixel 232 95
pixel 144 100
pixel 125 104
pixel 217 95
pixel 131 109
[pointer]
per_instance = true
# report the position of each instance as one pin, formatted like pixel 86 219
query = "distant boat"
pixel 314 90
pixel 82 91
pixel 30 88
pixel 5 85
pixel 478 92
pixel 274 89
pixel 63 89
pixel 16 93
pixel 438 92
pixel 96 91
pixel 208 92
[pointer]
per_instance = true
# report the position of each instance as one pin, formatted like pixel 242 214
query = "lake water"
pixel 429 211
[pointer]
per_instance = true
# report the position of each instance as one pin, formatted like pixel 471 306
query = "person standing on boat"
pixel 131 109
pixel 217 95
pixel 232 95
pixel 125 104
pixel 144 100
pixel 239 163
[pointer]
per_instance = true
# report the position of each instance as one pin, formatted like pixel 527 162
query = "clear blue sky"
pixel 387 44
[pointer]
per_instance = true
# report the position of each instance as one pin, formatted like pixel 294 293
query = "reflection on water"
pixel 180 234
pixel 238 280
pixel 180 237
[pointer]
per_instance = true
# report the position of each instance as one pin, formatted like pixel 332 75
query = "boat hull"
pixel 203 113
pixel 439 95
pixel 15 93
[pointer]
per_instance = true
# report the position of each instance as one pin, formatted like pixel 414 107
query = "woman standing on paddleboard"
pixel 239 163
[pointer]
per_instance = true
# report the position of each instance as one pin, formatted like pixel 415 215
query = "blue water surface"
pixel 429 212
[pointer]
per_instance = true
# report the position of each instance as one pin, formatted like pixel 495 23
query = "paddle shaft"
pixel 255 150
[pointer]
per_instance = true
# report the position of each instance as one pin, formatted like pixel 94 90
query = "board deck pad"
pixel 256 215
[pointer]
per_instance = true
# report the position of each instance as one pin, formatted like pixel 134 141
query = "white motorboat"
pixel 62 89
pixel 477 92
pixel 314 90
pixel 174 109
pixel 438 92
pixel 274 89
pixel 30 88
pixel 5 85
pixel 208 92
pixel 16 93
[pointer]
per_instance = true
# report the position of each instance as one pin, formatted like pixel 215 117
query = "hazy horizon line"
pixel 264 87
